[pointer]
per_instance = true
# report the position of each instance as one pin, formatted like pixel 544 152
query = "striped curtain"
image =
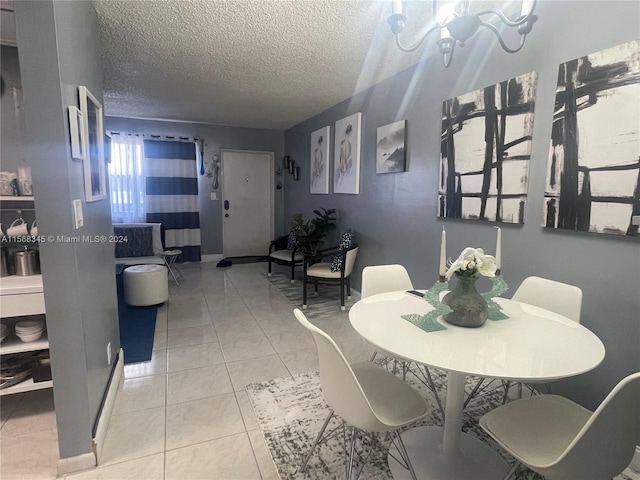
pixel 172 194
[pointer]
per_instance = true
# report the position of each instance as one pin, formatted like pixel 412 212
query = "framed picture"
pixel 76 132
pixel 485 152
pixel 319 160
pixel 346 157
pixel 390 148
pixel 95 185
pixel 593 173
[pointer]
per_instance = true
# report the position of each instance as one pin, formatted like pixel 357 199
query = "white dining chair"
pixel 390 278
pixel 557 297
pixel 365 396
pixel 561 440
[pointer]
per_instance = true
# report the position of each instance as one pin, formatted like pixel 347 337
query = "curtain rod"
pixel 152 136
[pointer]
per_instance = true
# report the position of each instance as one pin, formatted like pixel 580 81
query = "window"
pixel 127 179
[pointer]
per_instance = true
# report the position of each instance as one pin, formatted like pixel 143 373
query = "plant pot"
pixel 469 307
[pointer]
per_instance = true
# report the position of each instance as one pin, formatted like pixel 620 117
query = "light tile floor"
pixel 185 414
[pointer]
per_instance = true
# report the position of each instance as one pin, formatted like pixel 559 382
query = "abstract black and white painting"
pixel 319 159
pixel 346 156
pixel 593 173
pixel 390 148
pixel 485 152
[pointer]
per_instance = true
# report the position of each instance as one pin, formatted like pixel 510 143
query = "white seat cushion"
pixel 286 255
pixel 322 270
pixel 393 401
pixel 537 429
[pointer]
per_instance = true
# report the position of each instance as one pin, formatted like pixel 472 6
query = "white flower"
pixel 471 262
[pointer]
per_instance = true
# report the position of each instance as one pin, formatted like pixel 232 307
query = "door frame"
pixel 271 189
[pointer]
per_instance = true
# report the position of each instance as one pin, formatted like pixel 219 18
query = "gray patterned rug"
pixel 291 411
pixel 326 302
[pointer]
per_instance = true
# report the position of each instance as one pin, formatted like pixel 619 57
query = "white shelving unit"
pixel 19 297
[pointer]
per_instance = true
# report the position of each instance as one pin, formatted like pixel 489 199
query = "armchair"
pixel 316 271
pixel 285 250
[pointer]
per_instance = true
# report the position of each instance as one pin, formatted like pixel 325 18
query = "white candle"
pixel 396 7
pixel 499 249
pixel 443 253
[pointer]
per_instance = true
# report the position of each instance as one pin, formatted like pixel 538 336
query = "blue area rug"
pixel 137 328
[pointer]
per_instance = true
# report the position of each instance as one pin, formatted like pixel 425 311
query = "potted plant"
pixel 310 234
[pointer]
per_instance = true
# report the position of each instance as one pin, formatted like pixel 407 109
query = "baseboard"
pixel 75 464
pixel 107 407
pixel 635 461
pixel 215 257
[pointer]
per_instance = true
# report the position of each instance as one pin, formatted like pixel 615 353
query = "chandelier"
pixel 457 25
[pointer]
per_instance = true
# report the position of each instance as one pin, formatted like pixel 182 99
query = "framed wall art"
pixel 593 171
pixel 346 156
pixel 95 184
pixel 76 132
pixel 485 152
pixel 319 160
pixel 391 148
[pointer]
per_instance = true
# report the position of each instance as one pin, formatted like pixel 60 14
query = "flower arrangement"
pixel 471 263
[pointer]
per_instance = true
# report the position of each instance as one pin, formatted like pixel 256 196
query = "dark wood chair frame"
pixel 343 280
pixel 280 243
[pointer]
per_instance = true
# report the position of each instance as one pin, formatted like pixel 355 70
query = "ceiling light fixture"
pixel 457 25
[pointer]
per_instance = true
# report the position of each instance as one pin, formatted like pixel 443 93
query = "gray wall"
pixel 394 216
pixel 58 44
pixel 12 146
pixel 216 137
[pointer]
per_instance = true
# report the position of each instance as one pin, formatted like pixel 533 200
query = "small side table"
pixel 170 257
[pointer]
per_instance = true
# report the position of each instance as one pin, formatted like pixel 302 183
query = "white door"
pixel 247 202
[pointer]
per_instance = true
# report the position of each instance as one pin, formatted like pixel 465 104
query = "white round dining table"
pixel 533 344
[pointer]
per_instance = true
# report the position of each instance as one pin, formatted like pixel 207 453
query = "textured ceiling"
pixel 251 63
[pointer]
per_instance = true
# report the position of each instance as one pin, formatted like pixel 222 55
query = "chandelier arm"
pixel 506 20
pixel 502 43
pixel 417 45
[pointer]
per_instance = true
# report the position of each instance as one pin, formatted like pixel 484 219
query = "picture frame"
pixel 391 148
pixel 76 132
pixel 319 161
pixel 95 184
pixel 346 155
pixel 592 182
pixel 485 152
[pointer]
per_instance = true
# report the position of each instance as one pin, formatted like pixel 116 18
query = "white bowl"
pixel 31 337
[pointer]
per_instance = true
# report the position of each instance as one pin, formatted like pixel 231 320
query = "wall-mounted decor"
pixel 95 185
pixel 593 174
pixel 391 148
pixel 76 132
pixel 346 156
pixel 485 151
pixel 319 160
